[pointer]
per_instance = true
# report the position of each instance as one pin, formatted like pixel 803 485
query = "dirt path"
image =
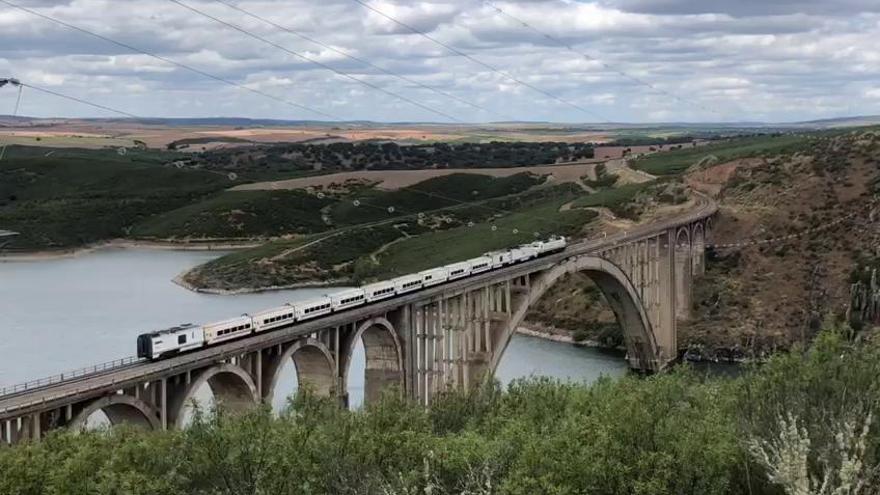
pixel 396 179
pixel 627 174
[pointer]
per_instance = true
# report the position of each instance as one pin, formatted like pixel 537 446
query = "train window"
pixel 181 339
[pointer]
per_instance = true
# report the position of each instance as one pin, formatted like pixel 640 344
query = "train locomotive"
pixel 187 337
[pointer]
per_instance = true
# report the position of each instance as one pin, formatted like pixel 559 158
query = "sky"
pixel 575 61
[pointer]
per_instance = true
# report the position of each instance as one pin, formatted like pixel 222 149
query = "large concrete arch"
pixel 384 365
pixel 622 296
pixel 233 388
pixel 314 367
pixel 119 409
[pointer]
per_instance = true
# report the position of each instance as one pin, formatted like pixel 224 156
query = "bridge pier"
pixel 683 282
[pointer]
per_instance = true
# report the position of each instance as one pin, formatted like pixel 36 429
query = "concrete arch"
pixel 641 343
pixel 119 409
pixel 384 357
pixel 314 366
pixel 683 237
pixel 233 388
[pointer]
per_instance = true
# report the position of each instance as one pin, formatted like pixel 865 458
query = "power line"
pixel 170 61
pixel 22 85
pixel 14 82
pixel 80 100
pixel 364 61
pixel 316 62
pixel 595 59
pixel 480 62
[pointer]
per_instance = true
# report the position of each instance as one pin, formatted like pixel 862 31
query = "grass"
pixel 447 246
pixel 611 198
pixel 676 162
pixel 236 214
pixel 431 194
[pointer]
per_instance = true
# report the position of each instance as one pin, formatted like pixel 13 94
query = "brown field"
pixel 396 179
pixel 97 134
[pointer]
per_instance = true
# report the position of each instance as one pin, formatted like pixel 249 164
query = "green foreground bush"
pixel 679 433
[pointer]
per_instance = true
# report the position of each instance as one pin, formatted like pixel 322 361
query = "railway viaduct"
pixel 450 336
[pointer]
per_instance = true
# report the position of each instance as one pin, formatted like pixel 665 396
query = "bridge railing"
pixel 66 376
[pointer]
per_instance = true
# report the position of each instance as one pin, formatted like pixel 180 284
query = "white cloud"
pixel 786 60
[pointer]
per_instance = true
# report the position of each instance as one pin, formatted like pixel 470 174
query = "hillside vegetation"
pixel 818 208
pixel 402 242
pixel 800 424
pixel 272 160
pixel 677 161
pixel 819 187
pixel 69 198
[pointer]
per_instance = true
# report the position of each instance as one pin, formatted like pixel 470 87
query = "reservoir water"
pixel 66 313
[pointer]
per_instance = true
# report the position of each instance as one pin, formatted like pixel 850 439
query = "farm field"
pixel 159 133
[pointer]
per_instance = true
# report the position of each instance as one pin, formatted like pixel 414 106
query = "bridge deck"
pixel 95 385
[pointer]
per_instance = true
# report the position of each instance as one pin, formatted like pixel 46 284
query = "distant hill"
pixel 861 120
pixel 8 120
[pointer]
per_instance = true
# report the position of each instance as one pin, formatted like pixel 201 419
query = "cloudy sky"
pixel 628 60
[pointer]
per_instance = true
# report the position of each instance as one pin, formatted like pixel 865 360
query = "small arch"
pixel 384 366
pixel 314 366
pixel 642 348
pixel 683 237
pixel 233 388
pixel 119 409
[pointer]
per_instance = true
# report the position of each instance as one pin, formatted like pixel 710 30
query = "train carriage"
pixel 550 245
pixel 458 270
pixel 434 276
pixel 499 258
pixel 172 340
pixel 480 264
pixel 378 290
pixel 232 328
pixel 347 299
pixel 274 318
pixel 313 308
pixel 407 283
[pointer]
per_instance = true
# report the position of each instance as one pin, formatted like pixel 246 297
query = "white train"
pixel 186 337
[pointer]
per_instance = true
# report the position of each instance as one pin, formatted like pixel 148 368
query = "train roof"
pixel 286 307
pixel 381 283
pixel 353 290
pixel 228 321
pixel 175 329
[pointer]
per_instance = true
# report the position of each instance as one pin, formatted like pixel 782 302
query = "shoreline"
pixel 53 254
pixel 543 332
pixel 179 280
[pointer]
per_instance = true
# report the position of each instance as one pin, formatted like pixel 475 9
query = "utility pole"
pixel 13 82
